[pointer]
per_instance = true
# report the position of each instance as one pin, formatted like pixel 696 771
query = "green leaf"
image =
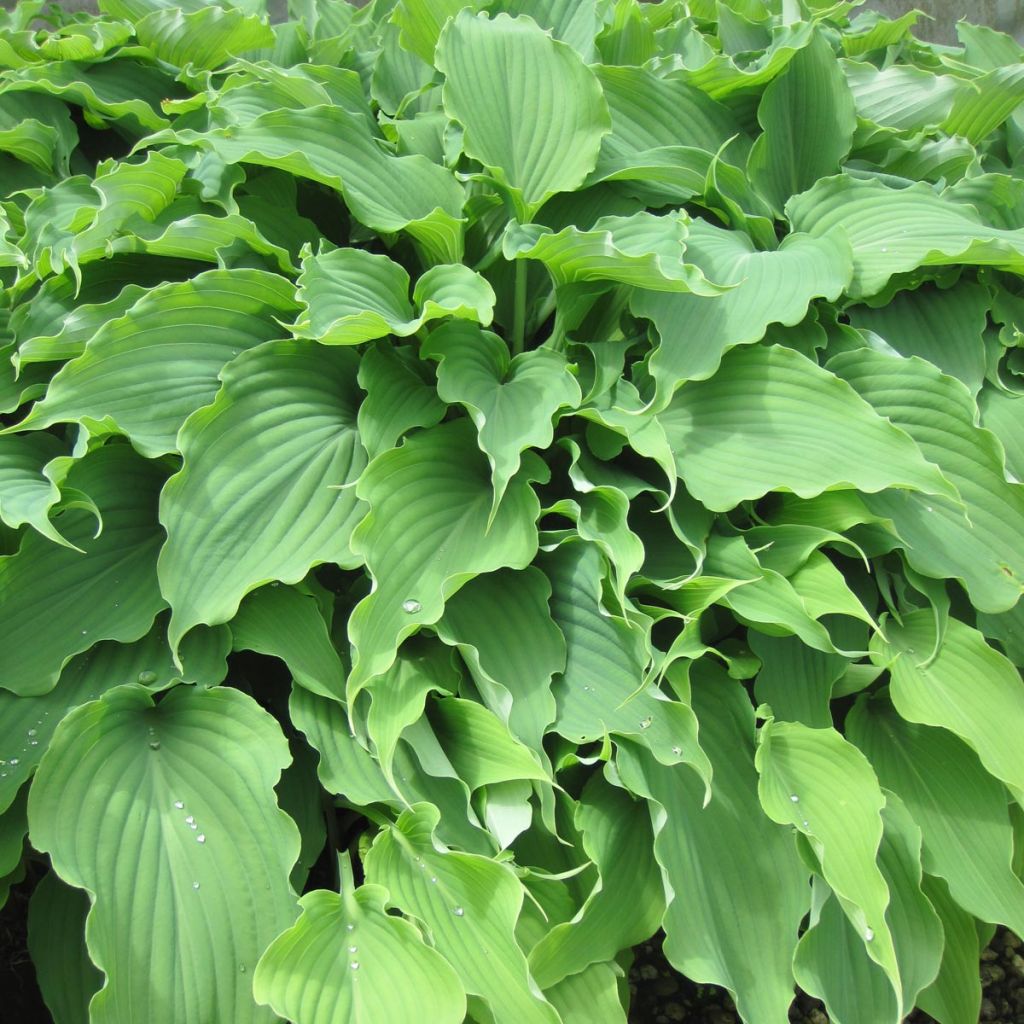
pixel 642 250
pixel 796 680
pixel 512 401
pixel 808 118
pixel 117 797
pixel 900 96
pixel 387 193
pixel 770 419
pixel 624 907
pixel 302 975
pixel 603 688
pixel 269 464
pixel 423 539
pixel 470 904
pixel 58 601
pixel 532 112
pixel 895 230
pixel 944 326
pixel 486 620
pixel 971 540
pixel 148 370
pixel 770 287
pixel 733 877
pixel 421 22
pixel 982 104
pixel 286 623
pixel 823 786
pixel 203 39
pixel 56 924
pixel 943 785
pixel 593 994
pixel 969 688
pixel 400 395
pixel 30 468
pixel 831 961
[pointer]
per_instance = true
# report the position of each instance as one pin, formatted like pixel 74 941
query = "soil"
pixel 660 994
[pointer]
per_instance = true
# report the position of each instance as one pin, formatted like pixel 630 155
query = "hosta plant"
pixel 482 483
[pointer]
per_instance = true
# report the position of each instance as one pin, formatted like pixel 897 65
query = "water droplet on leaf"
pixel 353 949
pixel 354 965
pixel 189 820
pixel 868 934
pixel 458 912
pixel 411 607
pixel 146 677
pixel 201 838
pixel 794 798
pixel 179 804
pixel 154 744
pixel 647 722
pixel 195 885
pixel 31 732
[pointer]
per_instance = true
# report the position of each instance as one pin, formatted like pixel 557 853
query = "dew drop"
pixel 458 912
pixel 33 743
pixel 195 885
pixel 411 607
pixel 241 968
pixel 433 878
pixel 647 722
pixel 14 762
pixel 154 744
pixel 353 949
pixel 3 775
pixel 179 804
pixel 794 798
pixel 201 838
pixel 350 927
pixel 193 826
pixel 928 508
pixel 868 934
pixel 884 249
pixel 677 751
pixel 189 820
pixel 31 732
pixel 807 824
pixel 84 631
pixel 354 965
pixel 146 677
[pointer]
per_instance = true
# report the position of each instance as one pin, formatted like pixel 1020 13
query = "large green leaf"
pixel 822 785
pixel 135 805
pixel 148 370
pixel 512 401
pixel 301 974
pixel 485 620
pixel 770 419
pixel 973 539
pixel 808 118
pixel 201 39
pixel 770 287
pixel 470 904
pixel 969 688
pixel 428 531
pixel 532 112
pixel 58 601
pixel 734 877
pixel 262 495
pixel 894 230
pixel 30 468
pixel 943 784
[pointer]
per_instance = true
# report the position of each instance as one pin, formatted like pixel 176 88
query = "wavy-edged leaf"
pixel 421 21
pixel 894 230
pixel 982 104
pixel 470 904
pixel 770 287
pixel 593 994
pixel 831 961
pixel 30 468
pixel 58 601
pixel 900 96
pixel 137 806
pixel 973 540
pixel 338 964
pixel 642 250
pixel 428 531
pixel 453 289
pixel 968 688
pixel 944 326
pixel 486 620
pixel 400 395
pixel 733 877
pixel 286 623
pixel 823 786
pixel 333 146
pixel 263 494
pixel 603 688
pixel 624 907
pixel 808 120
pixel 67 978
pixel 532 112
pixel 148 370
pixel 203 39
pixel 770 419
pixel 943 785
pixel 511 400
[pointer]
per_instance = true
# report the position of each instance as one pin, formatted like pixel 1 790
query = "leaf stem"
pixel 519 309
pixel 331 820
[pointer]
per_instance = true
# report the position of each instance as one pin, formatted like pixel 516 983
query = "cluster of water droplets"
pixel 795 799
pixel 456 910
pixel 31 740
